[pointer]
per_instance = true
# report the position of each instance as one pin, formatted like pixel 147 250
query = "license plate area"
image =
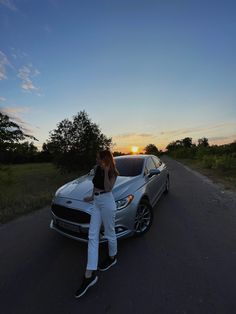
pixel 68 226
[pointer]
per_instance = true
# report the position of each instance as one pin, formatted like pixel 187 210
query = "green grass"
pixel 227 177
pixel 27 187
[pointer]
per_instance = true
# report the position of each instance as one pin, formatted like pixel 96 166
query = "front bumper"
pixel 79 231
pixel 71 218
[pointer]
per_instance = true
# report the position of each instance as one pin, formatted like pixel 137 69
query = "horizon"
pixel 146 72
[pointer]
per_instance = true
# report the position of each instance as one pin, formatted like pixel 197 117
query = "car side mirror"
pixel 153 172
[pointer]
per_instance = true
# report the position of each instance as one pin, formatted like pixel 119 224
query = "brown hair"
pixel 108 159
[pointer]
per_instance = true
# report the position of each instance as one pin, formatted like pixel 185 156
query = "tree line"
pixel 73 144
pixel 220 157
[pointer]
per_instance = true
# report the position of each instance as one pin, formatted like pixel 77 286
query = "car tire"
pixel 167 187
pixel 143 218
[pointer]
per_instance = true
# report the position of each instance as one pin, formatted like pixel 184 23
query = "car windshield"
pixel 129 167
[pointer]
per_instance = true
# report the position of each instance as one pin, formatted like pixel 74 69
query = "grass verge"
pixel 25 188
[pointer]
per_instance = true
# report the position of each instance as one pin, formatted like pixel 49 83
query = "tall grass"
pixel 220 163
pixel 28 187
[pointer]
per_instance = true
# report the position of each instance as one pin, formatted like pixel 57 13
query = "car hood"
pixel 83 186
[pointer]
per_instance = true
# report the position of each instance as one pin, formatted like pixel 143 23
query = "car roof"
pixel 143 156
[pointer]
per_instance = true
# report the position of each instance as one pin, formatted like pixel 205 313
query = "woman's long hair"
pixel 108 159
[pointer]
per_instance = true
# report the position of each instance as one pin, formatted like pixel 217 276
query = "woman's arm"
pixel 108 182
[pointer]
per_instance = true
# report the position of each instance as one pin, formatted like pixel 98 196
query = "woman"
pixel 104 211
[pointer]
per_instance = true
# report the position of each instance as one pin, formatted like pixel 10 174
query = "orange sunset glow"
pixel 135 149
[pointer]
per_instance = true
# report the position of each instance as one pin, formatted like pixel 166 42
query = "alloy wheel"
pixel 143 218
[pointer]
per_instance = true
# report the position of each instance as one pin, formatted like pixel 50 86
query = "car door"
pixel 153 183
pixel 163 171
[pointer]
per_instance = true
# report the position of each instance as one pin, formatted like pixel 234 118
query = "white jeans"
pixel 104 210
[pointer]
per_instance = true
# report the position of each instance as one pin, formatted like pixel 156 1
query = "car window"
pixel 157 161
pixel 150 164
pixel 129 167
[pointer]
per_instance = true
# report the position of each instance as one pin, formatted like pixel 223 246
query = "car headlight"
pixel 124 202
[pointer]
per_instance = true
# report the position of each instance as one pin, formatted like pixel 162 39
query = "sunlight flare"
pixel 134 149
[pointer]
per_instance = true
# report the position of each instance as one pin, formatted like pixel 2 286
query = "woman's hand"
pixel 105 167
pixel 88 198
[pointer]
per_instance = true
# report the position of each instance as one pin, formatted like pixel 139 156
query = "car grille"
pixel 73 215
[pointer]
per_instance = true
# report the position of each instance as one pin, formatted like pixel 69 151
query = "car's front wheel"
pixel 143 218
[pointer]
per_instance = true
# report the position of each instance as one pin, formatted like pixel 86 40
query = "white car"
pixel 141 182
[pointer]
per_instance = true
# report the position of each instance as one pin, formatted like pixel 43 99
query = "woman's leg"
pixel 108 212
pixel 93 244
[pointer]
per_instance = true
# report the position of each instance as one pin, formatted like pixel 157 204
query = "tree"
pixel 203 142
pixel 151 149
pixel 10 131
pixel 10 135
pixel 23 152
pixel 74 144
pixel 187 142
pixel 182 148
pixel 116 153
pixel 172 146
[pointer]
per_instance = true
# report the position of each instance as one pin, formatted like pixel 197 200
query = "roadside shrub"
pixel 208 161
pixel 202 151
pixel 220 163
pixel 225 162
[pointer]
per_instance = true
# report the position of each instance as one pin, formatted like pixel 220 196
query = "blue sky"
pixel 145 71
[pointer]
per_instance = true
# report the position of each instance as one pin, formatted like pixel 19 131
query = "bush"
pixel 220 163
pixel 225 162
pixel 208 161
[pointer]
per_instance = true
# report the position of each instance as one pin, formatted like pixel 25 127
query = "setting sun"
pixel 134 149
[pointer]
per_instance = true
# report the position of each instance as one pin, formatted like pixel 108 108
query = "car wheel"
pixel 167 188
pixel 143 218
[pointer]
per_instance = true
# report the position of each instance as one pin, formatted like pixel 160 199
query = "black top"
pixel 98 179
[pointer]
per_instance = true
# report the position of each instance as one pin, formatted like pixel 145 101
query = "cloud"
pixel 26 73
pixel 222 139
pixel 18 54
pixel 28 85
pixel 217 138
pixel 15 110
pixel 2 98
pixel 198 129
pixel 145 134
pixel 9 4
pixel 125 140
pixel 132 135
pixel 3 64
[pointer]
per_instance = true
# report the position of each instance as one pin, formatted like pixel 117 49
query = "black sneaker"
pixel 107 263
pixel 86 284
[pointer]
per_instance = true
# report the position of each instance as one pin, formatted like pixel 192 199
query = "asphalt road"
pixel 185 264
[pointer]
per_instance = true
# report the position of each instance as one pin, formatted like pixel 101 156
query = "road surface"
pixel 186 263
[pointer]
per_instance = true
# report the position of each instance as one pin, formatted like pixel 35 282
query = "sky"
pixel 147 72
